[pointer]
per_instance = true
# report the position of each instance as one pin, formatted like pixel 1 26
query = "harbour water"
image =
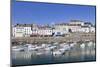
pixel 55 53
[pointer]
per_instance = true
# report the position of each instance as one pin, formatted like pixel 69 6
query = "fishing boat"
pixel 82 45
pixel 66 48
pixel 50 48
pixel 17 49
pixel 57 53
pixel 90 44
pixel 72 45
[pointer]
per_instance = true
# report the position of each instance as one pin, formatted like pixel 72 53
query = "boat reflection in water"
pixel 53 53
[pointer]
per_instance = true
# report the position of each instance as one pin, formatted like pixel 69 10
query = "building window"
pixel 64 29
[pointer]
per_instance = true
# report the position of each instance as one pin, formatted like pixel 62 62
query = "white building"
pixel 60 29
pixel 74 28
pixel 80 26
pixel 27 31
pixel 34 29
pixel 85 29
pixel 45 31
pixel 75 25
pixel 21 30
pixel 88 24
pixel 92 29
pixel 18 31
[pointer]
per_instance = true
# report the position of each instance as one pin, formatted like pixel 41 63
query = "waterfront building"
pixel 92 29
pixel 44 31
pixel 34 30
pixel 60 29
pixel 85 29
pixel 75 25
pixel 88 24
pixel 18 31
pixel 22 30
pixel 30 30
pixel 27 30
pixel 80 26
pixel 74 28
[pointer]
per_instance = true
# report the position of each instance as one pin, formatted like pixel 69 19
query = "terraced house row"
pixel 58 29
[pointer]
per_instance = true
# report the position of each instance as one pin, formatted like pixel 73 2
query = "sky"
pixel 46 13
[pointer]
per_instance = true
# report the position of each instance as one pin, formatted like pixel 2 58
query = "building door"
pixel 69 30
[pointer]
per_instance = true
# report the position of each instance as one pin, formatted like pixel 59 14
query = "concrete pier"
pixel 72 37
